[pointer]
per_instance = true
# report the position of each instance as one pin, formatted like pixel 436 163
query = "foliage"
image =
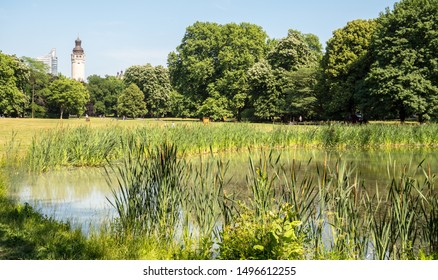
pixel 212 62
pixel 216 108
pixel 103 94
pixel 300 94
pixel 263 90
pixel 68 96
pixel 181 106
pixel 344 67
pixel 37 87
pixel 154 82
pixel 284 85
pixel 276 238
pixel 294 51
pixel 13 76
pixel 404 70
pixel 130 103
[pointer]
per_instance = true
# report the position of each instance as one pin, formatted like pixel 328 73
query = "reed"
pixel 149 192
pixel 80 146
pixel 87 146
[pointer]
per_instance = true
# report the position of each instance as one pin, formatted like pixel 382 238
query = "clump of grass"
pixel 149 189
pixel 80 146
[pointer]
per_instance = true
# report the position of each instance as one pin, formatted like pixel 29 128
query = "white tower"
pixel 78 62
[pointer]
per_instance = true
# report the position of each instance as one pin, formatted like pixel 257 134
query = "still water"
pixel 80 195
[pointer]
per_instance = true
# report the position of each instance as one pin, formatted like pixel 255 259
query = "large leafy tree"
pixel 300 93
pixel 264 92
pixel 154 82
pixel 212 61
pixel 404 74
pixel 103 94
pixel 344 66
pixel 68 95
pixel 14 75
pixel 283 86
pixel 38 86
pixel 131 102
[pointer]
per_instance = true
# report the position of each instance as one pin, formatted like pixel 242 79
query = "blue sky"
pixel 119 34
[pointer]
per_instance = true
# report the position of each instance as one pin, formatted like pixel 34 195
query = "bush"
pixel 273 236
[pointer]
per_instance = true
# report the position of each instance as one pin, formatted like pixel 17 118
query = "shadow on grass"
pixel 26 234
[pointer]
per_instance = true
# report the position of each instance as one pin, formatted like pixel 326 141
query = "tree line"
pixel 384 68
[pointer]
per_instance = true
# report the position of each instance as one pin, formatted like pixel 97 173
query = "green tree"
pixel 284 87
pixel 14 75
pixel 154 82
pixel 130 103
pixel 264 92
pixel 103 94
pixel 404 73
pixel 300 93
pixel 212 62
pixel 38 86
pixel 294 51
pixel 181 106
pixel 344 66
pixel 68 96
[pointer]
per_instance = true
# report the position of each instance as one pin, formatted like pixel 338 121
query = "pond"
pixel 80 195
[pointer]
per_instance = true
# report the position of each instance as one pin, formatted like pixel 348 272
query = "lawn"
pixel 25 129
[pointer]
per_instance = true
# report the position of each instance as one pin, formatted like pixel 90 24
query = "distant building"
pixel 120 75
pixel 51 60
pixel 78 62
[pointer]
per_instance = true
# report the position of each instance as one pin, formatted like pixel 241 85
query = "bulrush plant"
pixel 207 207
pixel 149 190
pixel 261 179
pixel 80 146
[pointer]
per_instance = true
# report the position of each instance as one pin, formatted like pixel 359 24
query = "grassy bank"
pixel 26 234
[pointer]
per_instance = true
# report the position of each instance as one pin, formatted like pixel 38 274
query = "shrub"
pixel 276 238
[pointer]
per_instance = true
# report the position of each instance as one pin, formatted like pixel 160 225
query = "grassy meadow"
pixel 169 209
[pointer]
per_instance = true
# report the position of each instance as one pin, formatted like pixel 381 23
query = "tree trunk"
pixel 33 100
pixel 62 112
pixel 402 114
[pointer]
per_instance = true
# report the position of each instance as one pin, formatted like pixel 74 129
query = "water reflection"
pixel 74 195
pixel 79 195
